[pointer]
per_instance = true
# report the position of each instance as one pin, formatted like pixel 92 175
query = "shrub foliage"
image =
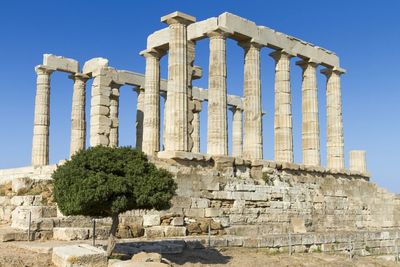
pixel 103 181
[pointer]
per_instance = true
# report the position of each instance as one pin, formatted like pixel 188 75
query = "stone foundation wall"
pixel 238 203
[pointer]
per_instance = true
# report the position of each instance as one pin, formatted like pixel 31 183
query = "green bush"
pixel 104 182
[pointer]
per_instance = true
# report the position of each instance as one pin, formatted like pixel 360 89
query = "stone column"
pixel 217 139
pixel 283 126
pixel 196 126
pixel 151 121
pixel 357 161
pixel 114 113
pixel 100 122
pixel 237 132
pixel 40 142
pixel 335 143
pixel 191 53
pixel 252 139
pixel 176 132
pixel 139 117
pixel 164 97
pixel 78 114
pixel 310 122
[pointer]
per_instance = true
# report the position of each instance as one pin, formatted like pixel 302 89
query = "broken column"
pixel 176 131
pixel 196 126
pixel 114 113
pixel 100 122
pixel 151 120
pixel 237 132
pixel 139 117
pixel 78 114
pixel 40 142
pixel 310 136
pixel 252 139
pixel 283 125
pixel 191 53
pixel 335 143
pixel 217 138
pixel 358 161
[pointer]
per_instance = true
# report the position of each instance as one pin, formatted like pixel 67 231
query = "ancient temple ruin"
pixel 252 201
pixel 183 101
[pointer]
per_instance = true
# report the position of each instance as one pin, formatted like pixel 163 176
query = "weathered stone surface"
pixel 68 234
pixel 151 220
pixel 22 183
pixel 79 255
pixel 61 63
pixel 93 65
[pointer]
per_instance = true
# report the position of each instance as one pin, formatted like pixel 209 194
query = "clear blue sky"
pixel 365 35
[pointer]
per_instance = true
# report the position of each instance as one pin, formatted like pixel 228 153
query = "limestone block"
pixel 146 257
pixel 151 220
pixel 154 232
pixel 5 200
pixel 68 234
pixel 298 225
pixel 171 231
pixel 79 255
pixel 5 213
pixel 130 263
pixel 94 64
pixel 26 200
pixel 200 203
pixel 212 212
pixel 177 221
pixel 20 215
pixel 195 212
pixel 21 183
pixel 61 63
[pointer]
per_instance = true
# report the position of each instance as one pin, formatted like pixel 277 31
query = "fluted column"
pixel 114 115
pixel 151 122
pixel 357 161
pixel 310 135
pixel 335 142
pixel 237 132
pixel 40 142
pixel 164 97
pixel 176 132
pixel 196 126
pixel 252 139
pixel 283 125
pixel 139 117
pixel 217 139
pixel 78 114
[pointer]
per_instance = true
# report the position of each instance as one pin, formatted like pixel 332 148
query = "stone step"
pixel 20 215
pixel 79 233
pixel 11 234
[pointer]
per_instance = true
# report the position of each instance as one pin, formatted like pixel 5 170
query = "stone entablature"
pixel 242 29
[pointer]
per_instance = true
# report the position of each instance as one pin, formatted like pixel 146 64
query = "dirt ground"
pixel 238 257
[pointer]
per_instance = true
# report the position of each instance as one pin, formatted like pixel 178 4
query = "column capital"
pixel 156 53
pixel 138 89
pixel 328 71
pixel 249 44
pixel 279 53
pixel 307 62
pixel 235 108
pixel 43 69
pixel 79 76
pixel 178 17
pixel 220 32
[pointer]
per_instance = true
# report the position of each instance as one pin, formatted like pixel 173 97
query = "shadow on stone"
pixel 175 251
